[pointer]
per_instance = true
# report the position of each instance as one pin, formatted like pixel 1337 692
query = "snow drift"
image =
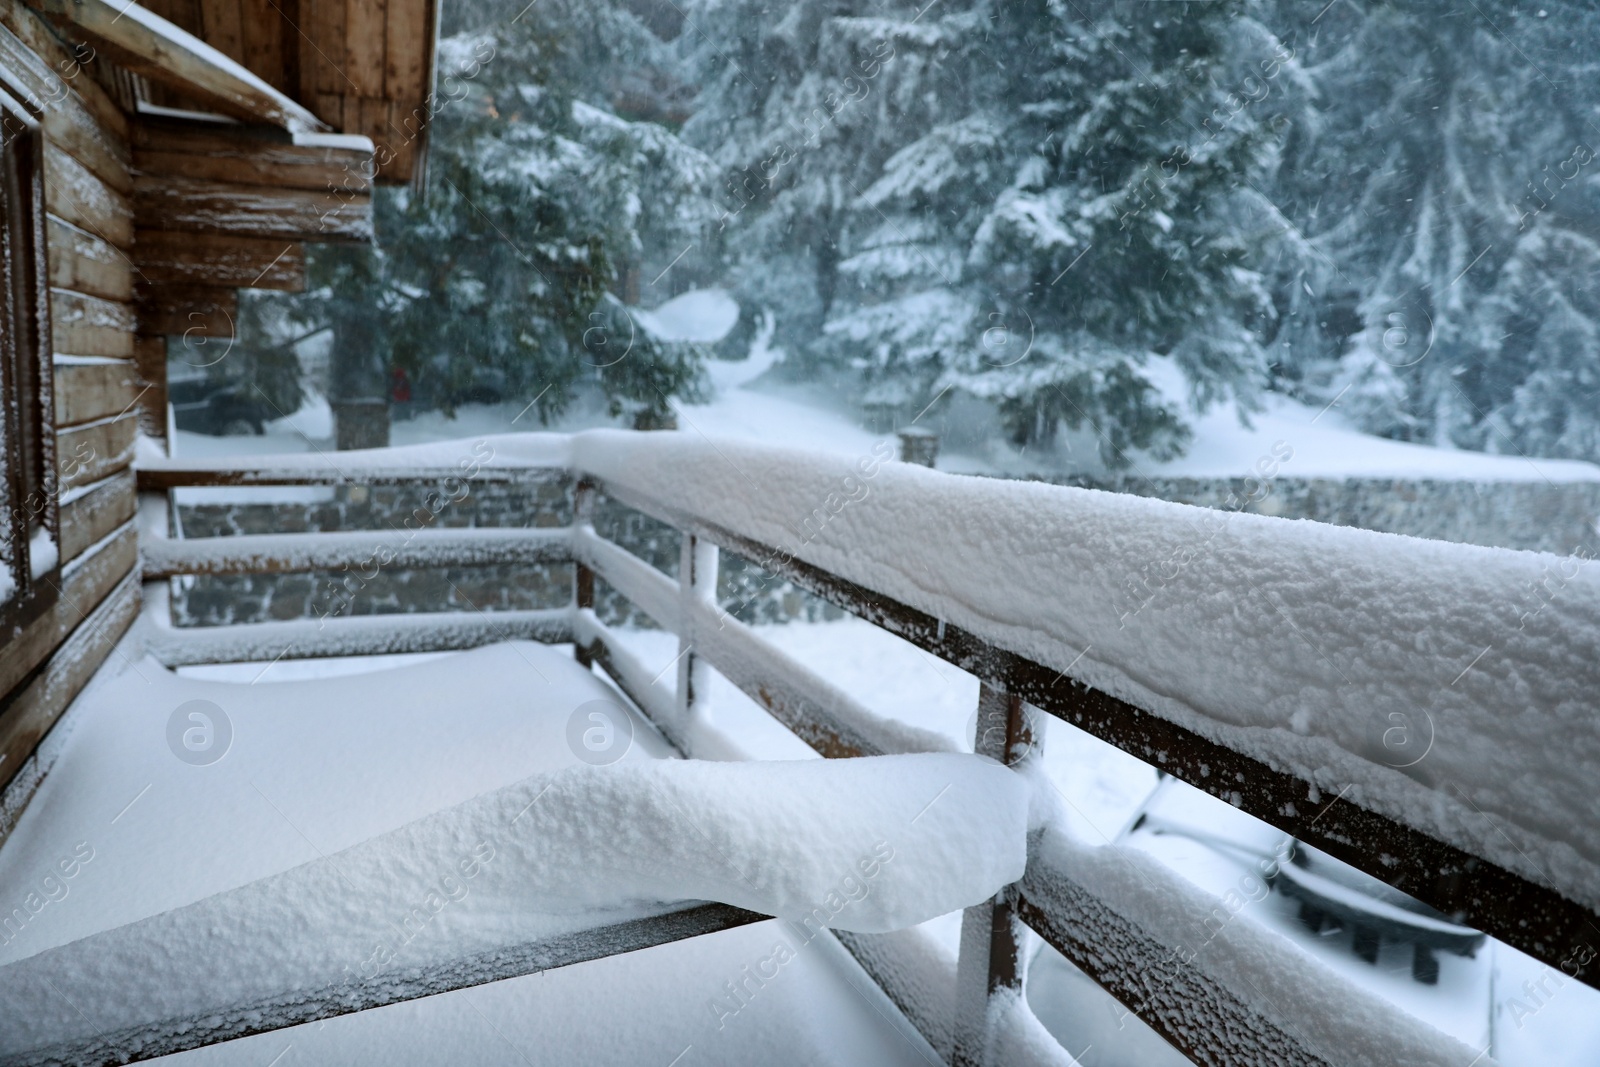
pixel 868 845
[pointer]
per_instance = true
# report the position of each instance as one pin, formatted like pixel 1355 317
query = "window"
pixel 28 501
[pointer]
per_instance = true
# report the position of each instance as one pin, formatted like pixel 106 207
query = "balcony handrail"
pixel 699 488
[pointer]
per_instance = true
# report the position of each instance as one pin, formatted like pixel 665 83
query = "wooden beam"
pixel 1208 1023
pixel 165 257
pixel 150 379
pixel 355 635
pixel 205 315
pixel 989 961
pixel 146 44
pixel 32 53
pixel 251 155
pixel 170 475
pixel 197 205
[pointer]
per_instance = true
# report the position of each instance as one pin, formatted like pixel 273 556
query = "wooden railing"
pixel 1207 1008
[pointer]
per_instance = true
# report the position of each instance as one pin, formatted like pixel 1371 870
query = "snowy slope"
pixel 742 405
pixel 1325 446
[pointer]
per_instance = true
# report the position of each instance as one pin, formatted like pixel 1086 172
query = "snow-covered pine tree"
pixel 1099 206
pixel 507 271
pixel 799 106
pixel 1446 186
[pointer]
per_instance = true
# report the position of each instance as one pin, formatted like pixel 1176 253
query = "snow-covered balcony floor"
pixel 1265 662
pixel 316 766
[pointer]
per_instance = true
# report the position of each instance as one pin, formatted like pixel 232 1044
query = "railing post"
pixel 697 583
pixel 582 576
pixel 991 934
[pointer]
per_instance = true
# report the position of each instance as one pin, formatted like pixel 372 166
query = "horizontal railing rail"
pixel 1209 1008
pixel 358 550
pixel 170 1036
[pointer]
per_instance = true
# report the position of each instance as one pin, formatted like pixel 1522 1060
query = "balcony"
pixel 1376 705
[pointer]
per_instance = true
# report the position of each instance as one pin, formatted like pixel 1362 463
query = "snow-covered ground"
pixel 125 827
pixel 364 776
pixel 747 403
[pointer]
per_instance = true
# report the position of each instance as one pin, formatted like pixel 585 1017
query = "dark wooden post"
pixel 991 934
pixel 698 561
pixel 582 576
pixel 919 446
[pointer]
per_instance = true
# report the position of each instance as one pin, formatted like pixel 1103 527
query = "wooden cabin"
pixel 157 160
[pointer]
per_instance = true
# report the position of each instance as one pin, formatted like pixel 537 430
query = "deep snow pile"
pixel 1449 686
pixel 325 754
pixel 870 845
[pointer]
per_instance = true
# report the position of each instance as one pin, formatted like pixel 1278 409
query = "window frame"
pixel 30 486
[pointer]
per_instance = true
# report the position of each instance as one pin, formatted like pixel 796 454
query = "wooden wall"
pixel 362 66
pixel 89 191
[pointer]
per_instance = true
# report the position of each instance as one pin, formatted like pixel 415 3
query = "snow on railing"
pixel 1421 710
pixel 1421 679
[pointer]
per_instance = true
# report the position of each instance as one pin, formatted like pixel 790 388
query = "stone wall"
pixel 544 502
pixel 1555 517
pixel 744 591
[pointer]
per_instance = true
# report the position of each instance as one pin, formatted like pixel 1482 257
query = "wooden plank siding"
pixel 365 38
pixel 197 205
pixel 83 263
pixel 89 240
pixel 322 60
pixel 82 588
pixel 28 716
pixel 361 66
pixel 92 391
pixel 95 450
pixel 168 257
pixel 85 325
pixel 73 192
pixel 93 512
